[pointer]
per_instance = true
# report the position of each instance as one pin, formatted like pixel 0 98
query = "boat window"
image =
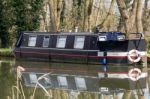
pixel 79 42
pixel 33 78
pixel 46 41
pixel 61 42
pixel 47 81
pixel 62 81
pixel 32 40
pixel 80 83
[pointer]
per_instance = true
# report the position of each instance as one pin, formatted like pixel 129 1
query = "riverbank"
pixel 6 52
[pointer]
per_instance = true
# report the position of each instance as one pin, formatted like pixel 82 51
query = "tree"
pixel 146 18
pixel 87 13
pixel 6 21
pixel 131 15
pixel 27 14
pixel 107 21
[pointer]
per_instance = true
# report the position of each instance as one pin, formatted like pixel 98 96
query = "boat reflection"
pixel 84 78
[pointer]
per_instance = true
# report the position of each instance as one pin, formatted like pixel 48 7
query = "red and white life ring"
pixel 134 74
pixel 134 56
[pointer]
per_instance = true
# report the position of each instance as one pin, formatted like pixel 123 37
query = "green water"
pixel 120 89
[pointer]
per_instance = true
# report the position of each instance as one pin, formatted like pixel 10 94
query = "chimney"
pixel 76 29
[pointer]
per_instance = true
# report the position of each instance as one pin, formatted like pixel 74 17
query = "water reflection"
pixel 7 77
pixel 81 81
pixel 70 81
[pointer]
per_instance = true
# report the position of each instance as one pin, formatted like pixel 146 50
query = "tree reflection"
pixel 7 79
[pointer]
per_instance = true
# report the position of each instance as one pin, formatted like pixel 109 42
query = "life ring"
pixel 134 56
pixel 134 74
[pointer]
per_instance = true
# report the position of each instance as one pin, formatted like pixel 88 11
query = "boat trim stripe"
pixel 83 50
pixel 72 55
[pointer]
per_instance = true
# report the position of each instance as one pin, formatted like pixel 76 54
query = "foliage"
pixel 7 52
pixel 6 21
pixel 27 14
pixel 17 16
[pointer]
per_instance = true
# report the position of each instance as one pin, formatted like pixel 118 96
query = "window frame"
pixel 58 44
pixel 47 81
pixel 44 40
pixel 33 78
pixel 77 41
pixel 32 43
pixel 80 85
pixel 61 83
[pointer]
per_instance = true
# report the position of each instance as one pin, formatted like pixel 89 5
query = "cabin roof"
pixel 59 33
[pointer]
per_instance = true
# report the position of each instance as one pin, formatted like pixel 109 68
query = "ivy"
pixel 27 14
pixel 6 21
pixel 17 16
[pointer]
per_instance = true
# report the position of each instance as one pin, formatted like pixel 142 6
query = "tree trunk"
pixel 52 7
pixel 59 10
pixel 85 20
pixel 124 13
pixel 108 17
pixel 67 15
pixel 130 16
pixel 139 13
pixel 87 12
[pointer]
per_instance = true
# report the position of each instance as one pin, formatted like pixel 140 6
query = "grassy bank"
pixel 6 52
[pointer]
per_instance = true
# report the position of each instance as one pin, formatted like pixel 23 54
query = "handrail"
pixel 141 34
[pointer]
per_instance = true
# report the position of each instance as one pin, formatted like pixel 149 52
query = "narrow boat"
pixel 84 47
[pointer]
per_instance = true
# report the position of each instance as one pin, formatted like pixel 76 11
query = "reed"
pixel 38 84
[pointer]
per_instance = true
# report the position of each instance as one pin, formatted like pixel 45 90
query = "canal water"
pixel 45 80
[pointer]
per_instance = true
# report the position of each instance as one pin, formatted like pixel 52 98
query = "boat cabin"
pixel 111 36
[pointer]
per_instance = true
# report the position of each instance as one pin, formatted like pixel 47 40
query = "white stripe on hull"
pixel 119 53
pixel 120 75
